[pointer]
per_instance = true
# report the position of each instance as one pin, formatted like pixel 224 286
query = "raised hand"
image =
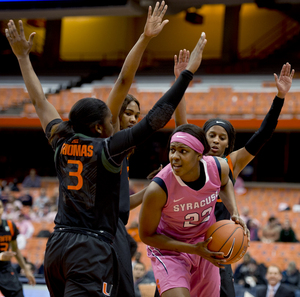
pixel 20 46
pixel 196 55
pixel 203 251
pixel 284 81
pixel 181 62
pixel 154 23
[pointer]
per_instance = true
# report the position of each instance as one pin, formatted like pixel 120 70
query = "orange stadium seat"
pixel 200 103
pixel 263 103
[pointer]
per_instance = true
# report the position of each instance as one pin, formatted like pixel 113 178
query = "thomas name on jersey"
pixel 196 204
pixel 77 150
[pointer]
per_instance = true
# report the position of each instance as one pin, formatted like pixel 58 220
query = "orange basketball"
pixel 228 237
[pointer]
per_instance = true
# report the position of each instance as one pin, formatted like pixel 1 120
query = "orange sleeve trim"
pixel 230 163
pixel 11 227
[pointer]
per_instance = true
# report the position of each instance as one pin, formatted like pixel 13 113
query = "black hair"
pixel 128 99
pixel 83 117
pixel 196 132
pixel 229 129
pixel 190 129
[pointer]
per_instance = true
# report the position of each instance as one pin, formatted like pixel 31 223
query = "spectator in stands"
pixel 11 212
pixel 239 186
pixel 291 276
pixel 249 273
pixel 137 258
pixel 287 233
pixel 274 287
pixel 25 226
pixel 32 180
pixel 271 232
pixel 25 197
pixel 253 228
pixel 9 282
pixel 139 277
pixel 14 185
pixel 41 201
pixel 54 197
pixel 6 196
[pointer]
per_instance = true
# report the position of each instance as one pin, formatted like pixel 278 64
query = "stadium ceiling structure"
pixel 65 8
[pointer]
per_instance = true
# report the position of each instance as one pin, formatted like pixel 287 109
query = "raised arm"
pixel 21 48
pixel 243 156
pixel 180 64
pixel 153 27
pixel 161 112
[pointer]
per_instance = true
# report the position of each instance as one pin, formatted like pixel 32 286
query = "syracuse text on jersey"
pixel 196 204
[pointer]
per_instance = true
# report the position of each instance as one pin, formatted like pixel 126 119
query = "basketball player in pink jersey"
pixel 178 208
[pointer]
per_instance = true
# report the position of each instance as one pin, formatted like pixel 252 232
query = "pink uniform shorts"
pixel 173 270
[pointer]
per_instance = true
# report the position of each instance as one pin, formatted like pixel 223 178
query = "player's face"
pixel 217 139
pixel 273 275
pixel 130 116
pixel 108 129
pixel 184 161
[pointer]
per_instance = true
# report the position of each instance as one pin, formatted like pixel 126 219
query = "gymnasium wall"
pixel 98 38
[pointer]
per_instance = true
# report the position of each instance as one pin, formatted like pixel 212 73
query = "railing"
pixel 271 40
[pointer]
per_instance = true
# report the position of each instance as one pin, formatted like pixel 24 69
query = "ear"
pixel 200 157
pixel 98 128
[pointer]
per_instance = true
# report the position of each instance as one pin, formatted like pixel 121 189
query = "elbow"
pixel 145 237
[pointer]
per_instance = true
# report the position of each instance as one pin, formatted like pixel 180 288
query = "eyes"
pixel 221 137
pixel 129 114
pixel 181 151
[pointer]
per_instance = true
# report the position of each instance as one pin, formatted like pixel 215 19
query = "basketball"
pixel 228 237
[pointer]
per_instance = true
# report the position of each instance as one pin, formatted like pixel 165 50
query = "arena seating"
pixel 233 97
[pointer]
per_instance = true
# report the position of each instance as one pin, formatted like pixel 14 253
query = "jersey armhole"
pixel 11 228
pixel 162 184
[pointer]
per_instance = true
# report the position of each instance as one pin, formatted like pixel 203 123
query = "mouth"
pixel 214 149
pixel 176 167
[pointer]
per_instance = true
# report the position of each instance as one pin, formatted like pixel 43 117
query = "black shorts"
pixel 122 248
pixel 227 287
pixel 10 286
pixel 80 265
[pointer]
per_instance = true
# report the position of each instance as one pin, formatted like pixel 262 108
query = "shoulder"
pixel 283 288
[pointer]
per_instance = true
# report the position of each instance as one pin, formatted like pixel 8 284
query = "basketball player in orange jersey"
pixel 220 135
pixel 125 114
pixel 9 282
pixel 80 259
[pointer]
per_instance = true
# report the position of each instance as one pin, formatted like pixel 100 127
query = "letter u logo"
pixel 104 289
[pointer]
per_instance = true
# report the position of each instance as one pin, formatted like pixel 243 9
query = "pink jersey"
pixel 189 213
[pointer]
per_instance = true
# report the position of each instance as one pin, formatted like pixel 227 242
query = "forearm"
pixel 180 113
pixel 31 80
pixel 133 60
pixel 20 259
pixel 166 243
pixel 136 199
pixel 156 119
pixel 268 125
